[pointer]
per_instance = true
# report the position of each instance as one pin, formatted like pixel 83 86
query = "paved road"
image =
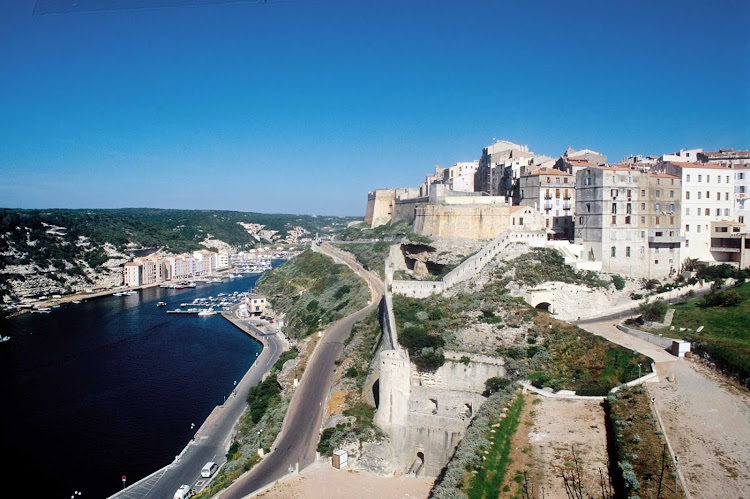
pixel 212 439
pixel 299 436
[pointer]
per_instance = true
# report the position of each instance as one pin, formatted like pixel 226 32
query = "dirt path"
pixel 708 424
pixel 321 480
pixel 558 425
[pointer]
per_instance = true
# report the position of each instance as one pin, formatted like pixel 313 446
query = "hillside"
pixel 45 251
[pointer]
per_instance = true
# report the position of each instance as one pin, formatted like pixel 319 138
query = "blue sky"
pixel 303 106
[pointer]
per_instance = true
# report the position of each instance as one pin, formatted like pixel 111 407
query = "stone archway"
pixel 543 305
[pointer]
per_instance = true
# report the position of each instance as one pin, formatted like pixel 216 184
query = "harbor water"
pixel 107 388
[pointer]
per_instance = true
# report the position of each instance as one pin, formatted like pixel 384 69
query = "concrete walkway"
pixel 706 418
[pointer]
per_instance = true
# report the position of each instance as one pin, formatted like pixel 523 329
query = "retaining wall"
pixel 661 341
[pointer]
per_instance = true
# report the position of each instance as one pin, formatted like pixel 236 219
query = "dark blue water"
pixel 109 387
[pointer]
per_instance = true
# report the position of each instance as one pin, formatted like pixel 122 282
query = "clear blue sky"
pixel 304 106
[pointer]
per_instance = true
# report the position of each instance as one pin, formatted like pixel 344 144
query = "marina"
pixel 108 374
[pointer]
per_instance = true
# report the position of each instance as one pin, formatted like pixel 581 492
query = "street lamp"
pixel 260 438
pixel 639 370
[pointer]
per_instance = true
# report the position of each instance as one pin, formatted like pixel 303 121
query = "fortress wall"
pixel 405 209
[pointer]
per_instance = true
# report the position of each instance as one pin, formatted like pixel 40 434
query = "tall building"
pixel 707 196
pixel 132 274
pixel 742 193
pixel 552 192
pixel 629 220
pixel 499 166
pixel 724 157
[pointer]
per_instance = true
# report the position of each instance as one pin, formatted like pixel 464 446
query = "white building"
pixel 132 274
pixel 683 155
pixel 222 260
pixel 707 196
pixel 742 193
pixel 460 177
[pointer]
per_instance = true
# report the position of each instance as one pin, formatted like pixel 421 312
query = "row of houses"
pixel 155 269
pixel 642 217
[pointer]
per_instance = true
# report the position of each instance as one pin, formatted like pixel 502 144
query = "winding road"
pixel 296 445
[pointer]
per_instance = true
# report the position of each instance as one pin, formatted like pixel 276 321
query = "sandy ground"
pixel 707 421
pixel 558 425
pixel 321 480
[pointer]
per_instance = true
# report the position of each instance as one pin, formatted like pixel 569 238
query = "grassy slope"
pixel 313 292
pixel 725 336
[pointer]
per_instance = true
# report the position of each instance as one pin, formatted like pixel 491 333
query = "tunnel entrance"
pixel 543 306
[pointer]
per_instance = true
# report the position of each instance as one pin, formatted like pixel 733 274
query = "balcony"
pixel 567 205
pixel 548 196
pixel 661 236
pixel 548 206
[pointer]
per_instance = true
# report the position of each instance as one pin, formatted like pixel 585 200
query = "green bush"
pixel 653 311
pixel 729 298
pixel 493 385
pixel 618 282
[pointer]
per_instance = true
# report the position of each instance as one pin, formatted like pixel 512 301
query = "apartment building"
pixel 707 196
pixel 742 193
pixel 725 157
pixel 629 220
pixel 552 192
pixel 132 273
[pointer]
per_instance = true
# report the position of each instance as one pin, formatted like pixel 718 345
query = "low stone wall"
pixel 651 338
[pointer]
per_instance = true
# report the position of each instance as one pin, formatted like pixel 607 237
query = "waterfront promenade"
pixel 212 438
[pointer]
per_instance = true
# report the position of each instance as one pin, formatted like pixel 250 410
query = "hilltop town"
pixel 643 217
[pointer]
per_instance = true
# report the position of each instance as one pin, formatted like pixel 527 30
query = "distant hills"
pixel 63 250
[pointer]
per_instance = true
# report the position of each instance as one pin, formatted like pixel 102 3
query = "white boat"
pixel 76 301
pixel 4 339
pixel 161 304
pixel 117 294
pixel 208 311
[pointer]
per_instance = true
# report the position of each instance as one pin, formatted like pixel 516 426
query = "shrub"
pixel 729 298
pixel 493 385
pixel 653 311
pixel 618 282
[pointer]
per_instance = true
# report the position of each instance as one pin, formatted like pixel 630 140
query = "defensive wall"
pixel 468 269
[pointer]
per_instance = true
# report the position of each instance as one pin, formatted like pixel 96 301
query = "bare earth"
pixel 321 480
pixel 707 422
pixel 558 425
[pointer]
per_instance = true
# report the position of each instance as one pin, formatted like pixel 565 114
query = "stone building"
pixel 724 157
pixel 707 196
pixel 629 220
pixel 499 167
pixel 730 243
pixel 552 192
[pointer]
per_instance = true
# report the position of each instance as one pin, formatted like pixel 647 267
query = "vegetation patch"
pixel 391 231
pixel 578 360
pixel 312 292
pixel 371 255
pixel 540 265
pixel 488 480
pixel 725 336
pixel 642 456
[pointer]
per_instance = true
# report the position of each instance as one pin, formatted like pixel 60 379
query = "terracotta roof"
pixel 663 175
pixel 133 264
pixel 698 165
pixel 578 162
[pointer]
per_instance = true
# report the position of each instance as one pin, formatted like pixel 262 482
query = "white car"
pixel 184 492
pixel 209 469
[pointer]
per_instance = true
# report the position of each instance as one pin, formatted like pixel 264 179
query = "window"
pixel 726 212
pixel 614 207
pixel 643 250
pixel 687 194
pixel 671 220
pixel 643 193
pixel 671 208
pixel 657 207
pixel 726 197
pixel 613 193
pixel 741 176
pixel 708 178
pixel 698 228
pixel 699 195
pixel 687 228
pixel 565 180
pixel 557 193
pixel 672 181
pixel 700 178
pixel 708 194
pixel 557 180
pixel 687 212
pixel 657 220
pixel 643 206
pixel 741 219
pixel 658 193
pixel 627 220
pixel 687 243
pixel 628 208
pixel 580 220
pixel 630 181
pixel 588 207
pixel 708 212
pixel 687 179
pixel 613 251
pixel 629 191
pixel 614 219
pixel 520 221
pixel 643 220
pixel 656 262
pixel 671 194
pixel 718 196
pixel 627 251
pixel 727 179
pixel 658 181
pixel 718 177
pixel 718 212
